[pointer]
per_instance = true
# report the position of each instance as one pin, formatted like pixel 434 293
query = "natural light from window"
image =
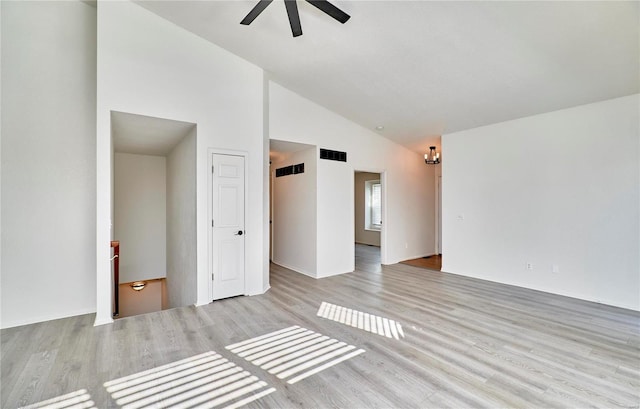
pixel 294 353
pixel 205 381
pixel 361 320
pixel 74 400
pixel 373 205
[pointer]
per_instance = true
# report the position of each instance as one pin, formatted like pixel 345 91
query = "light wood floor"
pixel 467 343
pixel 431 263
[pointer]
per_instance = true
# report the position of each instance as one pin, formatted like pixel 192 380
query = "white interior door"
pixel 228 236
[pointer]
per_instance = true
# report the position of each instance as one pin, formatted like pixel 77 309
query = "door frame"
pixel 230 152
pixel 272 181
pixel 383 193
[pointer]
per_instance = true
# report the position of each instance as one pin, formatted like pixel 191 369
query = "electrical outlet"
pixel 555 268
pixel 406 245
pixel 529 266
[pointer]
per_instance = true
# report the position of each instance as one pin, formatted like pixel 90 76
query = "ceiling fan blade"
pixel 331 10
pixel 294 17
pixel 255 12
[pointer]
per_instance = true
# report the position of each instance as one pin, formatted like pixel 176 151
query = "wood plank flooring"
pixel 465 343
pixel 431 263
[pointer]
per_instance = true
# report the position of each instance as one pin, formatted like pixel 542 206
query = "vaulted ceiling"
pixel 422 69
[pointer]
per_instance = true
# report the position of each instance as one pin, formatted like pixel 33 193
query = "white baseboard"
pixel 45 317
pixel 296 269
pixel 103 322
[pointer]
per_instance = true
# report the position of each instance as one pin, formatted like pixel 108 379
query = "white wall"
pixel 295 215
pixel 363 236
pixel 181 223
pixel 335 215
pixel 140 215
pixel 409 210
pixel 48 161
pixel 561 188
pixel 149 66
pixel 266 184
pixel 438 209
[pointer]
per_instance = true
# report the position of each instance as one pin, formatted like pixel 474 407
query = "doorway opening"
pixel 293 206
pixel 154 212
pixel 433 262
pixel 368 220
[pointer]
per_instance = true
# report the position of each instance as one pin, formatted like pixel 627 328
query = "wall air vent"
pixel 299 168
pixel 287 170
pixel 290 170
pixel 333 155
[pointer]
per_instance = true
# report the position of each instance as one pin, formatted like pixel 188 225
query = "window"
pixel 373 205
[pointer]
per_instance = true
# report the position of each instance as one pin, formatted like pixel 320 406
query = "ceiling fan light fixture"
pixel 294 16
pixel 255 12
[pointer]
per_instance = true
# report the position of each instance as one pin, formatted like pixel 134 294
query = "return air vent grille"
pixel 290 170
pixel 333 155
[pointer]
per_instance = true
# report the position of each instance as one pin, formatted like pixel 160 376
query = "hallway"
pixel 368 258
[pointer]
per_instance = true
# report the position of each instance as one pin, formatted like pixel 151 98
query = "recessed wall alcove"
pixel 154 211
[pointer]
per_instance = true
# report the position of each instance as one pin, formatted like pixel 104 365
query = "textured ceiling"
pixel 425 68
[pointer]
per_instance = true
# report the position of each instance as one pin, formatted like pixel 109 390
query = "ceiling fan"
pixel 292 12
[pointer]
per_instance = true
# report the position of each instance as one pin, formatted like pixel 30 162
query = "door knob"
pixel 239 233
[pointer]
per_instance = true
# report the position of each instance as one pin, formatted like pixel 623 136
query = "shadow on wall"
pixel 153 297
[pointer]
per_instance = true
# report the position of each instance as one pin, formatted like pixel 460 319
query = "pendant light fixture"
pixel 433 157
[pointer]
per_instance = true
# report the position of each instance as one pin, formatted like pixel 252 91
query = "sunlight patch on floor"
pixel 361 320
pixel 74 400
pixel 294 353
pixel 207 380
